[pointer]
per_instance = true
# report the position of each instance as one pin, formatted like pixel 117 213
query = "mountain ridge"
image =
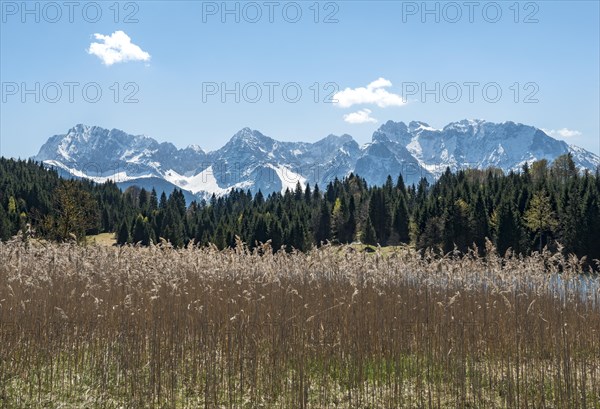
pixel 252 160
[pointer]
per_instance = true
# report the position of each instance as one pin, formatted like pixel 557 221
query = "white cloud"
pixel 374 93
pixel 562 133
pixel 116 48
pixel 360 117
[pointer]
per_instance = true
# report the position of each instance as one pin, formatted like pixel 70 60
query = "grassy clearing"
pixel 110 327
pixel 102 239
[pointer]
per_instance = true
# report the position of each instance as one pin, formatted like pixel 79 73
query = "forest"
pixel 544 205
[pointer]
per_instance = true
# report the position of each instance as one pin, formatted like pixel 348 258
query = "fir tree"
pixel 479 224
pixel 123 235
pixel 163 201
pixel 508 230
pixel 401 221
pixel 323 230
pixel 368 233
pixel 153 205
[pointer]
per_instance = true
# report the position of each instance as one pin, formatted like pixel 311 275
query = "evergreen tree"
pixel 5 227
pixel 479 224
pixel 401 220
pixel 400 187
pixel 456 229
pixel 144 199
pixel 163 201
pixel 298 193
pixel 153 205
pixel 590 221
pixel 307 194
pixel 368 234
pixel 323 230
pixel 350 229
pixel 380 216
pixel 141 231
pixel 430 236
pixel 570 219
pixel 123 235
pixel 275 234
pixel 260 234
pixel 508 230
pixel 220 239
pixel 259 199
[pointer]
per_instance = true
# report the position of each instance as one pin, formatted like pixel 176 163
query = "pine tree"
pixel 307 194
pixel 316 194
pixel 456 229
pixel 172 226
pixel 153 200
pixel 570 219
pixel 509 233
pixel 259 199
pixel 350 229
pixel 431 233
pixel 163 201
pixel 323 229
pixel 5 227
pixel 259 234
pixel 368 233
pixel 298 193
pixel 275 234
pixel 590 222
pixel 401 220
pixel 141 231
pixel 380 216
pixel 143 199
pixel 479 224
pixel 220 239
pixel 400 186
pixel 123 235
pixel 297 237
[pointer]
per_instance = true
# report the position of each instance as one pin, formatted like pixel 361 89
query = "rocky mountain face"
pixel 251 160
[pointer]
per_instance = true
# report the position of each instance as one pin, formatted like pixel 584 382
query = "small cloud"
pixel 562 133
pixel 374 93
pixel 360 117
pixel 116 48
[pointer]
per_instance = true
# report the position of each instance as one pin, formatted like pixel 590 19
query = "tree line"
pixel 552 205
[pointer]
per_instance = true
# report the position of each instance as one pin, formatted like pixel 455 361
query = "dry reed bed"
pixel 160 327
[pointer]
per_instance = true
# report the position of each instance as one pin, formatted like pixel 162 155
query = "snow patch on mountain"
pixel 117 177
pixel 289 179
pixel 204 182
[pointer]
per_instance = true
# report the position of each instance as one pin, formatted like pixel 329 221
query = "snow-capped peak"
pixel 251 160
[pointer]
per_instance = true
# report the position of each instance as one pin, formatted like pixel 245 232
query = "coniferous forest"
pixel 551 205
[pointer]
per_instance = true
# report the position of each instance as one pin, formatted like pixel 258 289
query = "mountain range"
pixel 251 160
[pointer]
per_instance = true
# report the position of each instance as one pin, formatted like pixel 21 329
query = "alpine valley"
pixel 251 160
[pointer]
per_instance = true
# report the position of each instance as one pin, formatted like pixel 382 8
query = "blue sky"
pixel 183 54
